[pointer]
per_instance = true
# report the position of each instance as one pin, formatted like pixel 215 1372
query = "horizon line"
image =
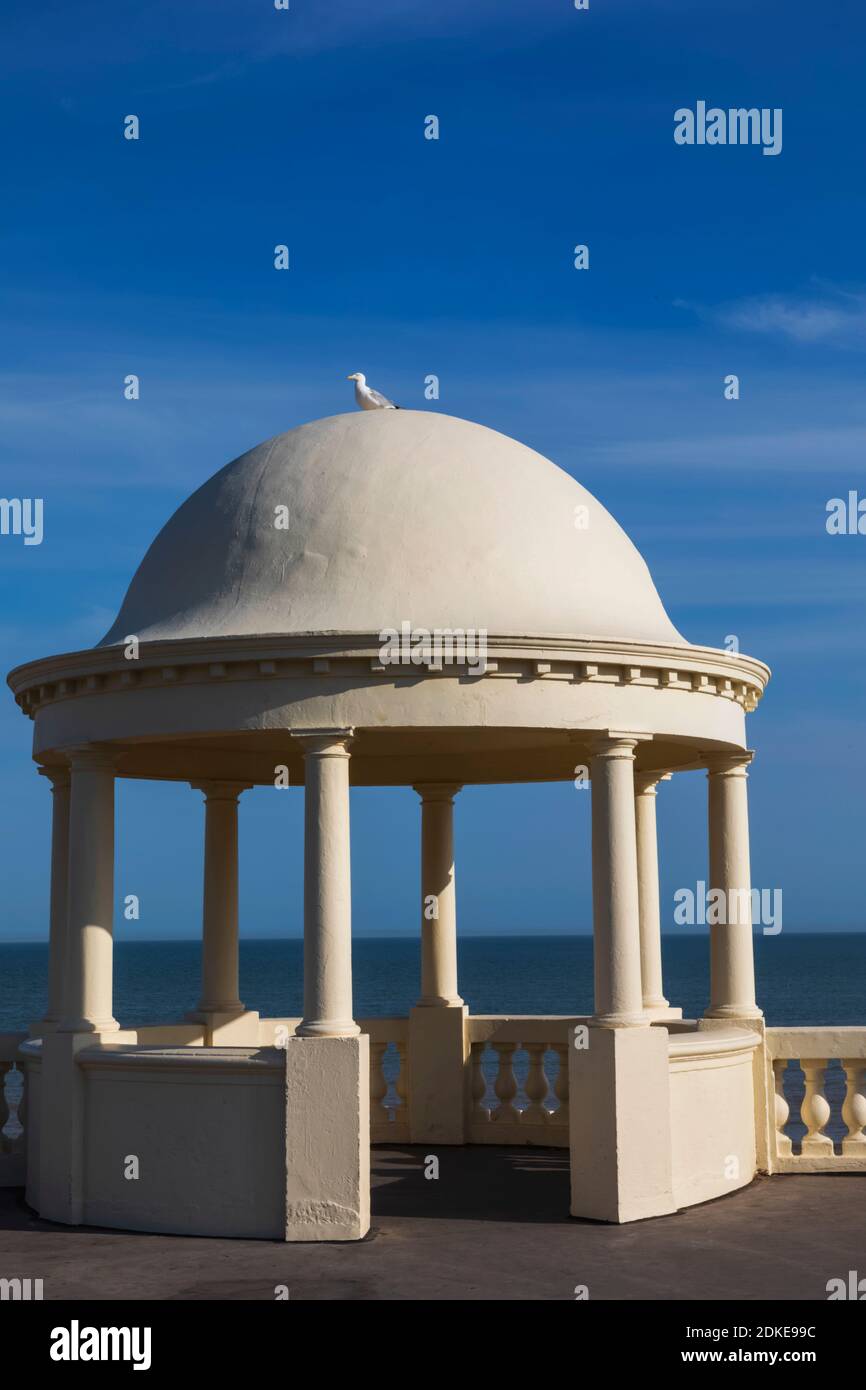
pixel 465 936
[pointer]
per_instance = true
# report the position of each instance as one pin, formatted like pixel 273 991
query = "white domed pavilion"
pixel 387 598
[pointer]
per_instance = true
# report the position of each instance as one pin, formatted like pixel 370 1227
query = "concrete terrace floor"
pixel 493 1226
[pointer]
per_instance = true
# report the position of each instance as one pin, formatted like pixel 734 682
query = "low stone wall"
pixel 188 1140
pixel 713 1140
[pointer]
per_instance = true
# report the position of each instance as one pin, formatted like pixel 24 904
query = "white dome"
pixel 393 516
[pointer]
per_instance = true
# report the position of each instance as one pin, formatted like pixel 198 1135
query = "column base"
pixel 640 1020
pixel 327 1138
pixel 438 1057
pixel 227 1007
pixel 328 1028
pixel 620 1125
pixel 87 1025
pixel 732 1012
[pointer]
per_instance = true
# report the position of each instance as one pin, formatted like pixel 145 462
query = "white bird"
pixel 367 398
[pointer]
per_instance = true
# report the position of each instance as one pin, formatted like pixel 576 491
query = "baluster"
pixel 536 1113
pixel 379 1112
pixel 854 1108
pixel 782 1109
pixel 505 1085
pixel 479 1113
pixel 560 1085
pixel 23 1100
pixel 401 1085
pixel 13 1092
pixel 815 1112
pixel 4 1109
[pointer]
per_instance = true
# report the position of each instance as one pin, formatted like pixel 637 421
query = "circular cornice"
pixel 511 657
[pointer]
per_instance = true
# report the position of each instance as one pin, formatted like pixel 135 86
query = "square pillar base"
pixel 663 1015
pixel 61 1149
pixel 620 1127
pixel 62 1138
pixel 327 1138
pixel 229 1030
pixel 438 1057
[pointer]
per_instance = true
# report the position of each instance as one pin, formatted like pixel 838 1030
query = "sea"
pixel 804 978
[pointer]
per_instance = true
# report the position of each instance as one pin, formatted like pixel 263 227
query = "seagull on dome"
pixel 367 398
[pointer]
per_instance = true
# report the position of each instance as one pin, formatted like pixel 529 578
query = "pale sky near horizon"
pixel 451 257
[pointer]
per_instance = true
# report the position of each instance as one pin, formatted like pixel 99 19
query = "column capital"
pixel 221 791
pixel 437 791
pixel 91 755
pixel 728 764
pixel 325 743
pixel 615 743
pixel 57 775
pixel 645 783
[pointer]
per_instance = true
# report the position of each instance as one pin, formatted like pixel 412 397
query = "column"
pixel 438 897
pixel 615 898
pixel 327 886
pixel 59 779
pixel 645 784
pixel 220 898
pixel 87 1006
pixel 732 963
pixel 438 1031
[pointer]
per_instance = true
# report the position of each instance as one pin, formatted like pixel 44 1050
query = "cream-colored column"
pixel 59 779
pixel 645 784
pixel 327 886
pixel 88 993
pixel 220 898
pixel 732 961
pixel 615 899
pixel 438 896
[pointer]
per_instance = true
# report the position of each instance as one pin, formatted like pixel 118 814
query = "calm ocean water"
pixel 802 979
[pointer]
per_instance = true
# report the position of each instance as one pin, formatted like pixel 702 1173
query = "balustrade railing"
pixel 518 1090
pixel 519 1080
pixel 12 1111
pixel 389 1078
pixel 820 1099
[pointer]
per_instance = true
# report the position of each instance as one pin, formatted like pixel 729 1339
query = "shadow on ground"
pixel 479 1183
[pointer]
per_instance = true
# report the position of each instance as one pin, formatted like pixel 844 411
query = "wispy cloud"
pixel 827 314
pixel 824 449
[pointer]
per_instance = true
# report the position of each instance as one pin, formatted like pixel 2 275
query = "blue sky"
pixel 451 257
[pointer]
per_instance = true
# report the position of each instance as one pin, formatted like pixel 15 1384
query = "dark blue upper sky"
pixel 453 257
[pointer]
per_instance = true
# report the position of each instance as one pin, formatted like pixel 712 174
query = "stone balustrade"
pixel 819 1116
pixel 12 1111
pixel 519 1080
pixel 389 1078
